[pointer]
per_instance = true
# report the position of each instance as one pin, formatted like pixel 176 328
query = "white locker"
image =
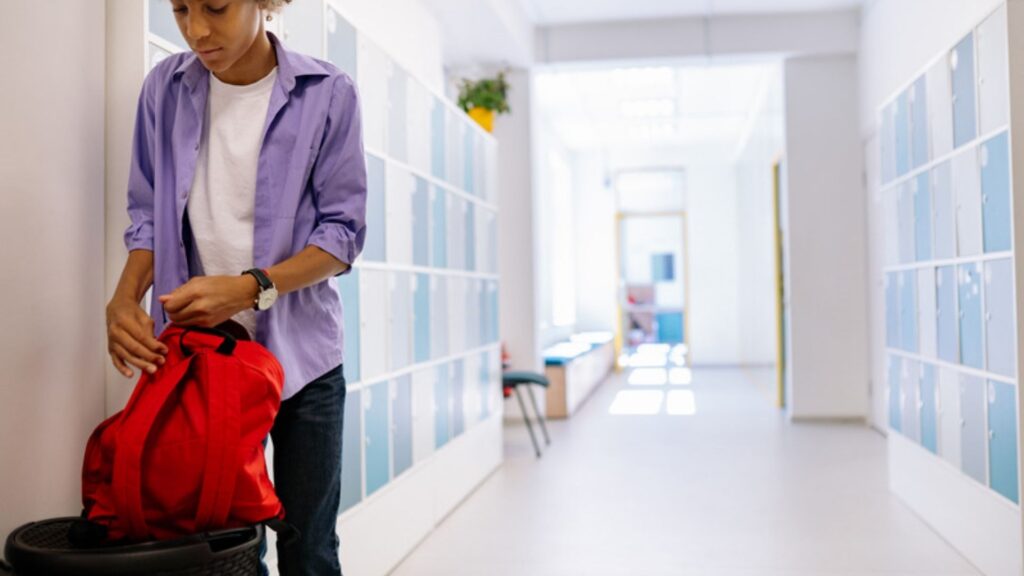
pixel 400 187
pixel 967 187
pixel 423 413
pixel 373 320
pixel 993 72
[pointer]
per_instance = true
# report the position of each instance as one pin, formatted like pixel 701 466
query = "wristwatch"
pixel 268 292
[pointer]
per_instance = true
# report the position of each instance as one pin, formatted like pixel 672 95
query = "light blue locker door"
pixel 918 123
pixel 439 143
pixel 495 313
pixel 908 310
pixel 949 416
pixel 892 310
pixel 927 312
pixel 401 423
pixel 470 236
pixel 439 200
pixel 907 216
pixel 911 378
pixel 887 144
pixel 457 232
pixel 947 324
pixel 352 451
pixel 901 126
pixel 373 249
pixel 1002 425
pixel 421 317
pixel 944 212
pixel 922 216
pixel 895 393
pixel 929 414
pixel 972 351
pixel 484 381
pixel 341 42
pixel 398 143
pixel 442 407
pixel 421 223
pixel 1000 340
pixel 348 288
pixel 378 453
pixel 994 159
pixel 458 380
pixel 973 428
pixel 401 320
pixel 965 122
pixel 439 316
pixel 473 313
pixel 967 187
pixel 163 23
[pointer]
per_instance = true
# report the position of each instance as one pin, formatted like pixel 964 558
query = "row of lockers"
pixel 959 314
pixel 959 208
pixel 392 425
pixel 401 117
pixel 413 222
pixel 968 421
pixel 965 94
pixel 394 319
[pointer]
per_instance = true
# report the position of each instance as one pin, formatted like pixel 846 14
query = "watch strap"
pixel 261 278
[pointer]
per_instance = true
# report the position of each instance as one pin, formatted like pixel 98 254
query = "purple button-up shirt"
pixel 310 190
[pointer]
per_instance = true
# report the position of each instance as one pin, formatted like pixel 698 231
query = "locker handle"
pixel 991 434
pixel 367 440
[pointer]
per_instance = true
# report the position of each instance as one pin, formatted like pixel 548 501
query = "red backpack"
pixel 186 453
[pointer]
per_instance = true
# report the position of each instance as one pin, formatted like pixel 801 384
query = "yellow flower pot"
pixel 483 117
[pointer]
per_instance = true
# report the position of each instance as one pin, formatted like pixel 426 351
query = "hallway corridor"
pixel 731 490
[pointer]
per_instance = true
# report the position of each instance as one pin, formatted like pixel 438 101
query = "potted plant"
pixel 484 98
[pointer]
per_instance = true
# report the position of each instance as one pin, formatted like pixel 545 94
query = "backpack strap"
pixel 126 481
pixel 224 422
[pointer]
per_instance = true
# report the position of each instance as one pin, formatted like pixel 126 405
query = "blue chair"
pixel 513 381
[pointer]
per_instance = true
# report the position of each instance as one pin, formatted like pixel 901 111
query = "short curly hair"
pixel 273 5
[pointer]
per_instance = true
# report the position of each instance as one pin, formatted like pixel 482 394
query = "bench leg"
pixel 540 417
pixel 526 417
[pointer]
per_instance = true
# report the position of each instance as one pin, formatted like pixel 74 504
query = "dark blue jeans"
pixel 307 474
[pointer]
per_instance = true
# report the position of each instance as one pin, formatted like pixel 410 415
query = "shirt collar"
pixel 290 66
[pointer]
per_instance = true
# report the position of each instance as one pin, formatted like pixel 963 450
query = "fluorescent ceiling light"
pixel 648 377
pixel 681 403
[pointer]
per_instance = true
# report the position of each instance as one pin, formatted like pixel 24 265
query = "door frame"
pixel 620 217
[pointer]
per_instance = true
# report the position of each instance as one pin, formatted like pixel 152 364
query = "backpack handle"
pixel 227 346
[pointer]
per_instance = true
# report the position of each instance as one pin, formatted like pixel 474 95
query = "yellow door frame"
pixel 780 332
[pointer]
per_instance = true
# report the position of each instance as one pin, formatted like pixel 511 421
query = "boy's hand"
pixel 209 300
pixel 130 338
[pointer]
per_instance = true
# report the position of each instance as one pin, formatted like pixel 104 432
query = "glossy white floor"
pixel 725 487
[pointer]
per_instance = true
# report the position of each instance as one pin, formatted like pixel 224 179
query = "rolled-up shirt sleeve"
pixel 139 234
pixel 339 178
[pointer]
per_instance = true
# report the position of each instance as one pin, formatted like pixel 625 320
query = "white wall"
pixel 825 242
pixel 596 283
pixel 52 349
pixel 762 146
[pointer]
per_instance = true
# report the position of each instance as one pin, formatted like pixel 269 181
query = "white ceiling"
pixel 546 12
pixel 659 106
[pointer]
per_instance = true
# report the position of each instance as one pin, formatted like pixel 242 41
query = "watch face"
pixel 267 298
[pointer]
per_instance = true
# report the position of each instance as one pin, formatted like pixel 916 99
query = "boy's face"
pixel 220 32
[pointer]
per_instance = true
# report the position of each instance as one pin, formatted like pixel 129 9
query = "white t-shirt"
pixel 223 197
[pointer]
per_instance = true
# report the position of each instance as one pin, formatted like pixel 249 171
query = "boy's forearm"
pixel 136 277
